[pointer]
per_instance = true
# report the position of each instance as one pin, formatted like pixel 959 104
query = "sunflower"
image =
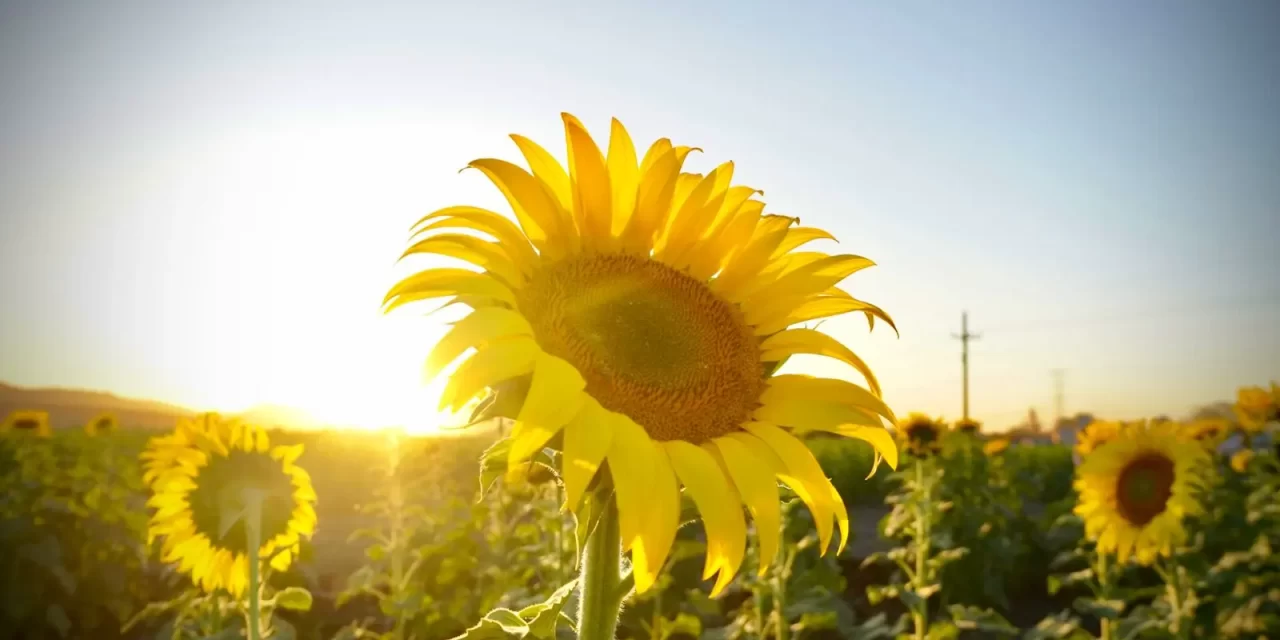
pixel 649 310
pixel 32 422
pixel 102 425
pixel 920 434
pixel 996 446
pixel 968 426
pixel 1255 407
pixel 1095 435
pixel 1135 490
pixel 1209 431
pixel 198 475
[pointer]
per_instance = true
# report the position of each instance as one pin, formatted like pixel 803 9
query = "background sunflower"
pixel 649 309
pixel 28 422
pixel 1135 491
pixel 968 425
pixel 101 425
pixel 1096 434
pixel 921 435
pixel 198 476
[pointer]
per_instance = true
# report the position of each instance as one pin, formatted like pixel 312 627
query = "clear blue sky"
pixel 201 202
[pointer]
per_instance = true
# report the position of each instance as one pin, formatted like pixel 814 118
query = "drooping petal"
pixel 658 528
pixel 586 441
pixel 803 474
pixel 834 390
pixel 631 464
pixel 812 415
pixel 495 224
pixel 720 506
pixel 489 256
pixel 758 491
pixel 440 283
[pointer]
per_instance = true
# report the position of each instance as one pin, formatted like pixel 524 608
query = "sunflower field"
pixel 641 463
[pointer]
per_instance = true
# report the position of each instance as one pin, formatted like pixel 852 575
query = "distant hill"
pixel 72 408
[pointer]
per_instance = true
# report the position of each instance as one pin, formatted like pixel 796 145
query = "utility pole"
pixel 964 339
pixel 1058 384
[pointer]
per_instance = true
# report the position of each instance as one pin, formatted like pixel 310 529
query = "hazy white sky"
pixel 202 202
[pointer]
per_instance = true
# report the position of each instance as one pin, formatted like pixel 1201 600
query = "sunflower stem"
pixel 920 612
pixel 1104 590
pixel 253 541
pixel 598 599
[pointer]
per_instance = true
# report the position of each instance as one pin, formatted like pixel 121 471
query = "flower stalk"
pixel 253 499
pixel 600 598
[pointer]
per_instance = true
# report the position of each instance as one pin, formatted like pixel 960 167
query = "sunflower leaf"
pixel 294 599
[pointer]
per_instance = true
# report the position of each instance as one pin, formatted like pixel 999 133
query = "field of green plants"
pixel 425 538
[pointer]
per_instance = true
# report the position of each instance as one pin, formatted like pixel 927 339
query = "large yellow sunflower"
pixel 101 425
pixel 1135 490
pixel 921 435
pixel 1095 435
pixel 28 422
pixel 1208 431
pixel 968 426
pixel 650 309
pixel 198 476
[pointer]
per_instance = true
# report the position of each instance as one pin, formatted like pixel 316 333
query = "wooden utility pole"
pixel 964 339
pixel 1058 384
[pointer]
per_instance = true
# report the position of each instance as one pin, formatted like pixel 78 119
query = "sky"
pixel 203 202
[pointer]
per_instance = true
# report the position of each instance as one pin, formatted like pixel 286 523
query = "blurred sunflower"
pixel 101 425
pixel 1209 431
pixel 649 310
pixel 996 446
pixel 1135 490
pixel 1095 435
pixel 920 434
pixel 1255 407
pixel 968 426
pixel 29 422
pixel 200 476
pixel 1240 460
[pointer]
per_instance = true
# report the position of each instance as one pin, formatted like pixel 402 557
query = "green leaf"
pixel 498 624
pixel 684 623
pixel 543 616
pixel 294 599
pixel 1055 583
pixel 985 620
pixel 1105 609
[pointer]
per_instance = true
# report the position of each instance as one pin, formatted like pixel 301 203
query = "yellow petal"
pixel 823 307
pixel 507 234
pixel 842 516
pixel 798 236
pixel 499 361
pixel 586 441
pixel 653 200
pixel 624 174
pixel 795 341
pixel 282 560
pixel 632 464
pixel 832 390
pixel 555 395
pixel 809 279
pixel 803 474
pixel 440 283
pixel 758 491
pixel 804 414
pixel 589 177
pixel 544 221
pixel 746 263
pixel 489 256
pixel 719 505
pixel 482 327
pixel 547 169
pixel 695 215
pixel 658 527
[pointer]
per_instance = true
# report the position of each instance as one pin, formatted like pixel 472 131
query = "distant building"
pixel 1067 430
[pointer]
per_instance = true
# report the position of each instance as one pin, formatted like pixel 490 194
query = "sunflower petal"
pixel 555 395
pixel 500 361
pixel 796 341
pixel 803 414
pixel 653 200
pixel 489 256
pixel 507 234
pixel 759 492
pixel 827 390
pixel 440 283
pixel 589 177
pixel 659 527
pixel 632 465
pixel 545 222
pixel 623 174
pixel 803 474
pixel 586 442
pixel 721 509
pixel 481 327
pixel 547 169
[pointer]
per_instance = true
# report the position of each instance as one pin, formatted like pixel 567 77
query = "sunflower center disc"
pixel 221 483
pixel 26 424
pixel 1144 488
pixel 653 343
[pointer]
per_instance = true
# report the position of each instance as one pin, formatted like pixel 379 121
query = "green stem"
pixel 599 601
pixel 1173 585
pixel 782 630
pixel 920 613
pixel 396 503
pixel 253 540
pixel 1104 590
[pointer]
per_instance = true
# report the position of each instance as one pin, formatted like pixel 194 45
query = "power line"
pixel 964 339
